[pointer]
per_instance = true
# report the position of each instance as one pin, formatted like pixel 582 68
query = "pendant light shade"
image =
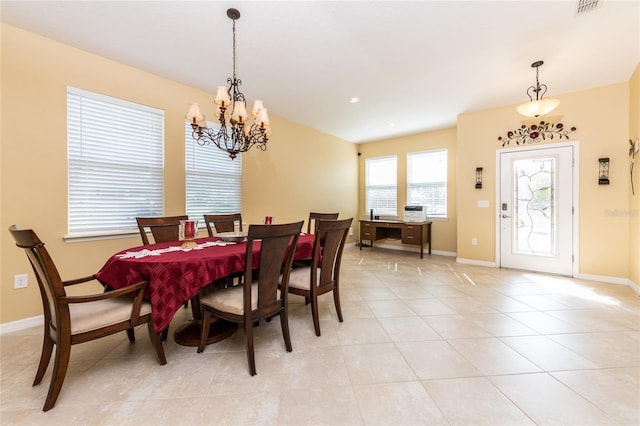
pixel 538 108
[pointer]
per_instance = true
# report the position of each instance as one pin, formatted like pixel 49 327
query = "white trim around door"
pixel 534 151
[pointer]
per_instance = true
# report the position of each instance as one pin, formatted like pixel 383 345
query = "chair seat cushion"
pixel 101 313
pixel 300 278
pixel 231 299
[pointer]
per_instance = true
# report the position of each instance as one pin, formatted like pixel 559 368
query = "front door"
pixel 536 209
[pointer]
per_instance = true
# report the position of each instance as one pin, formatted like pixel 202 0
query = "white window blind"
pixel 115 163
pixel 427 181
pixel 381 185
pixel 214 181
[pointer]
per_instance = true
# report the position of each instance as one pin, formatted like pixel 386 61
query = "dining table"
pixel 176 274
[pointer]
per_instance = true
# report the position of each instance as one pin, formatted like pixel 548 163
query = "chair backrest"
pixel 49 281
pixel 163 229
pixel 222 222
pixel 277 247
pixel 327 249
pixel 315 217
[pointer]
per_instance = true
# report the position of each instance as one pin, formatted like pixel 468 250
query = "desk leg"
pixel 188 334
pixel 429 237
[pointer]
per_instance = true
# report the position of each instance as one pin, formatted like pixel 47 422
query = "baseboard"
pixel 444 253
pixel 413 249
pixel 476 262
pixel 21 324
pixel 635 287
pixel 604 279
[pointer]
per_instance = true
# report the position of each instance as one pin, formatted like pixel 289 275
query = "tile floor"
pixel 424 342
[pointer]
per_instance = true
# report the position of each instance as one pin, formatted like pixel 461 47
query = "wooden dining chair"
pixel 217 223
pixel 69 320
pixel 314 217
pixel 312 223
pixel 163 229
pixel 222 222
pixel 262 298
pixel 323 273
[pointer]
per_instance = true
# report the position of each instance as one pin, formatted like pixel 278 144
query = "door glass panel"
pixel 534 212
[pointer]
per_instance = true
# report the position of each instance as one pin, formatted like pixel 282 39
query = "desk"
pixel 416 233
pixel 176 276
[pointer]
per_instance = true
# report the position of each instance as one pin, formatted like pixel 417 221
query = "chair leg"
pixel 157 343
pixel 63 352
pixel 47 349
pixel 164 333
pixel 314 314
pixel 284 323
pixel 131 334
pixel 336 301
pixel 205 322
pixel 248 331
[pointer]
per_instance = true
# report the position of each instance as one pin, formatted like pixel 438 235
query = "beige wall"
pixel 634 200
pixel 443 231
pixel 601 116
pixel 302 169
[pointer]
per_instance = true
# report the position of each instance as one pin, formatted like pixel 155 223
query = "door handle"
pixel 504 216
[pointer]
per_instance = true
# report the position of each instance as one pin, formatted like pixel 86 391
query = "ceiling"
pixel 417 64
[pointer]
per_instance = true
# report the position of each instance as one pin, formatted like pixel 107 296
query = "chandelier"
pixel 235 134
pixel 539 106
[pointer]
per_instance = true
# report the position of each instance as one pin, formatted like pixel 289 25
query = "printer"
pixel 414 214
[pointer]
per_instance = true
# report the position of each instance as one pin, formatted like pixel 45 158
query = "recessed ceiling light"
pixel 354 100
pixel 392 124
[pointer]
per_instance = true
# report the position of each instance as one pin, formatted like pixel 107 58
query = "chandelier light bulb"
pixel 194 115
pixel 257 106
pixel 222 96
pixel 263 117
pixel 239 113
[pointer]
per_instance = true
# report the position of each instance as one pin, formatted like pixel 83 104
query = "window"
pixel 381 183
pixel 115 163
pixel 427 182
pixel 214 181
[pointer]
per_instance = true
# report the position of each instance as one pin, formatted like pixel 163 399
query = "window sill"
pixel 97 236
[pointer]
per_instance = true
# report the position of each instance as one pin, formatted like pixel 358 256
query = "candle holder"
pixel 188 229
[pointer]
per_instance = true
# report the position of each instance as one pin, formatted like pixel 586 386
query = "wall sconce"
pixel 603 171
pixel 478 177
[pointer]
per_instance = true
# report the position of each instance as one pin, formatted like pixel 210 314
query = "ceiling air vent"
pixel 587 5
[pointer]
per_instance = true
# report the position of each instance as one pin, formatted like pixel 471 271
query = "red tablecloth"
pixel 175 277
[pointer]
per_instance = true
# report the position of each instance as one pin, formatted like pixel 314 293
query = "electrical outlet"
pixel 351 230
pixel 20 281
pixel 474 241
